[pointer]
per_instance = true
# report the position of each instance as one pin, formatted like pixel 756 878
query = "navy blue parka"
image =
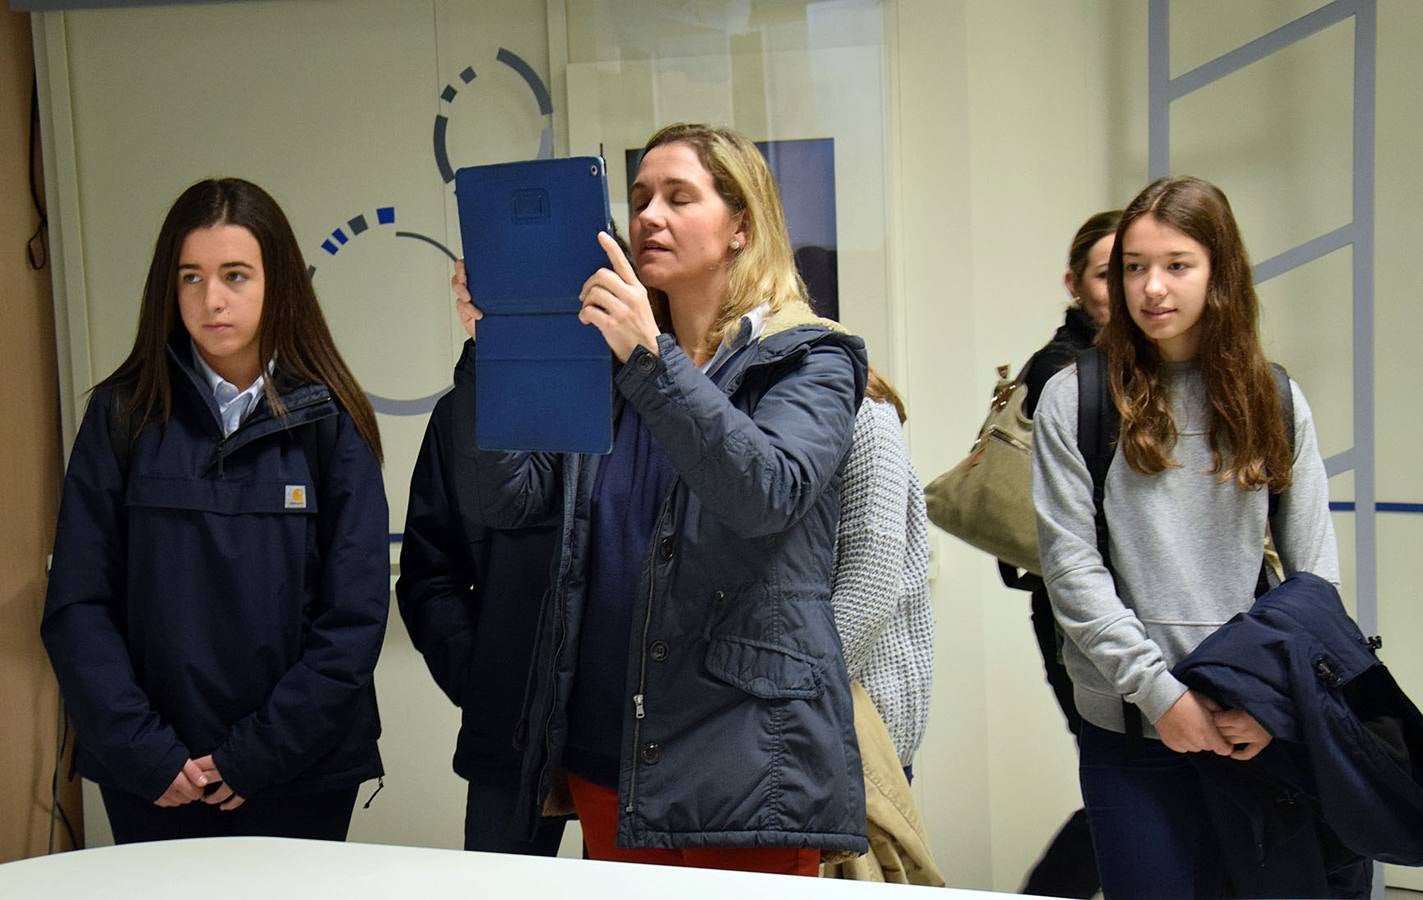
pixel 1342 781
pixel 211 599
pixel 738 728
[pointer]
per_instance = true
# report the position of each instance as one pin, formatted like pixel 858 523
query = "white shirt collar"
pixel 232 404
pixel 748 329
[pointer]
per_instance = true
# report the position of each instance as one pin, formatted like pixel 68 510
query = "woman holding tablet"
pixel 689 681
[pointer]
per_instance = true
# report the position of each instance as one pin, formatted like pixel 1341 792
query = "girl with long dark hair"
pixel 221 573
pixel 1202 446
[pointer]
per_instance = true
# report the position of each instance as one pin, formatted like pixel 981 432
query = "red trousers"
pixel 598 814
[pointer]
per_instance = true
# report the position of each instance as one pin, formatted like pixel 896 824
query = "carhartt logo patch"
pixel 296 496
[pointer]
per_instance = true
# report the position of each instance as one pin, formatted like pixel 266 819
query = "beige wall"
pixel 972 138
pixel 29 473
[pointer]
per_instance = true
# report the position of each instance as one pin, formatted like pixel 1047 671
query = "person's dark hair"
pixel 1100 225
pixel 881 391
pixel 1247 435
pixel 292 331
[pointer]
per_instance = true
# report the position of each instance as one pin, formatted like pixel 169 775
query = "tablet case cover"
pixel 543 380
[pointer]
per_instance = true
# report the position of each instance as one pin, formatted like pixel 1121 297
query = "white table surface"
pixel 271 868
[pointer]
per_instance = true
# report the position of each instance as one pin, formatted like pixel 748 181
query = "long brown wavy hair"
pixel 764 271
pixel 292 330
pixel 1247 435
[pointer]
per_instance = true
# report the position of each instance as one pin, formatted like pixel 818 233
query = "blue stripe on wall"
pixel 1348 506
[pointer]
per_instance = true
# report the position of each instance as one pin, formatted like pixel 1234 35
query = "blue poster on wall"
pixel 805 172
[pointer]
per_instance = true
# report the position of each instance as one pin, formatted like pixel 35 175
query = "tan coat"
pixel 899 850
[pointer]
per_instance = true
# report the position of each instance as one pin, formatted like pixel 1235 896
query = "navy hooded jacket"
pixel 1345 767
pixel 738 726
pixel 196 607
pixel 470 595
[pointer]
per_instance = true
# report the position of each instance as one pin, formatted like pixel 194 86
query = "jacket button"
pixel 659 651
pixel 645 362
pixel 651 753
pixel 665 548
pixel 718 596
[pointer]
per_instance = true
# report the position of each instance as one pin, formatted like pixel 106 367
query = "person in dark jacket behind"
pixel 470 597
pixel 221 573
pixel 689 680
pixel 1067 867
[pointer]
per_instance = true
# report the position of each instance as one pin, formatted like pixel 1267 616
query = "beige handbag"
pixel 987 499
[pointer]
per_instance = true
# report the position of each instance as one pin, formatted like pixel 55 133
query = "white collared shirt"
pixel 750 328
pixel 232 405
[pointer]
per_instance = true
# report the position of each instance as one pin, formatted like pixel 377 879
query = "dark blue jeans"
pixel 488 823
pixel 1150 825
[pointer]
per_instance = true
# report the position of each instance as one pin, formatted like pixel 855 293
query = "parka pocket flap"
pixel 764 670
pixel 227 498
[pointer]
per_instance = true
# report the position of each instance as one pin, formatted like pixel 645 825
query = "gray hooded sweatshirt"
pixel 1185 548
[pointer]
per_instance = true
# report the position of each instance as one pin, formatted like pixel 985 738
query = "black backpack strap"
pixel 1018 579
pixel 121 431
pixel 1098 425
pixel 318 443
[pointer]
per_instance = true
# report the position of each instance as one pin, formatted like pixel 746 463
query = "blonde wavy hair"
pixel 764 270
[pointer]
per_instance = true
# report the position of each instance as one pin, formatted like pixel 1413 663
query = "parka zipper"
pixel 637 699
pixel 246 424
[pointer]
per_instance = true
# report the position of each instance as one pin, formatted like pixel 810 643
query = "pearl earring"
pixel 735 244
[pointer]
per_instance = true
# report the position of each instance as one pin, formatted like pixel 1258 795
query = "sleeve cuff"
pixel 157 779
pixel 232 774
pixel 1160 696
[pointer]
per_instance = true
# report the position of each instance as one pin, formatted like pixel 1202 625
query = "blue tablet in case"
pixel 543 380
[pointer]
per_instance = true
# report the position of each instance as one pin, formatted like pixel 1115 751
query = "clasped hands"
pixel 613 299
pixel 1195 722
pixel 192 783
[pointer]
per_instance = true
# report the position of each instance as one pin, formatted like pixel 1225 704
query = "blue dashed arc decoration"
pixel 357 225
pixel 385 215
pixel 536 86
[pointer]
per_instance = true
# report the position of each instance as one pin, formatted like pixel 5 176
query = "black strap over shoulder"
pixel 1098 424
pixel 318 443
pixel 121 425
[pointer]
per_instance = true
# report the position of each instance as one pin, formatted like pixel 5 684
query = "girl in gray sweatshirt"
pixel 1202 445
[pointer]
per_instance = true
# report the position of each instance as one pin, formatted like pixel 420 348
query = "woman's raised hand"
pixel 464 304
pixel 616 303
